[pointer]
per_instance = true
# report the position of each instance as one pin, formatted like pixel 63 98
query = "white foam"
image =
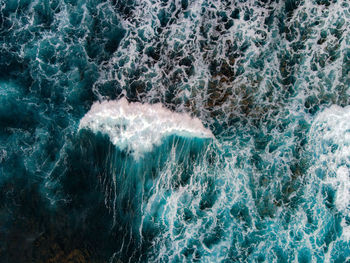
pixel 343 187
pixel 332 127
pixel 138 127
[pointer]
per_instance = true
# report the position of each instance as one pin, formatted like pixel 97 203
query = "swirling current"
pixel 174 131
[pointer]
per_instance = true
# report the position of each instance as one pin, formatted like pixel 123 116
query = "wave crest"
pixel 138 127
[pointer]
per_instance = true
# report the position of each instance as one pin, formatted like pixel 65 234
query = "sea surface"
pixel 174 131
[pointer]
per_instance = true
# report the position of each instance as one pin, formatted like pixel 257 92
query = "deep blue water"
pixel 268 79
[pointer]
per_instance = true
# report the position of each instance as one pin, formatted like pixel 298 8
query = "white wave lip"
pixel 139 127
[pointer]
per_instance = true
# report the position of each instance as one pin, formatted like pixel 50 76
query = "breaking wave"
pixel 138 127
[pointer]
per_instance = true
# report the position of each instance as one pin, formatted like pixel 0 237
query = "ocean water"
pixel 174 131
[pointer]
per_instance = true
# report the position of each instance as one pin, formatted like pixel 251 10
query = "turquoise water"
pixel 174 131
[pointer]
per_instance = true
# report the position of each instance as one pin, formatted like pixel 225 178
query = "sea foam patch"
pixel 138 127
pixel 330 137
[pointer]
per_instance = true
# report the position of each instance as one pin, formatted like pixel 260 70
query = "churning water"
pixel 174 131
